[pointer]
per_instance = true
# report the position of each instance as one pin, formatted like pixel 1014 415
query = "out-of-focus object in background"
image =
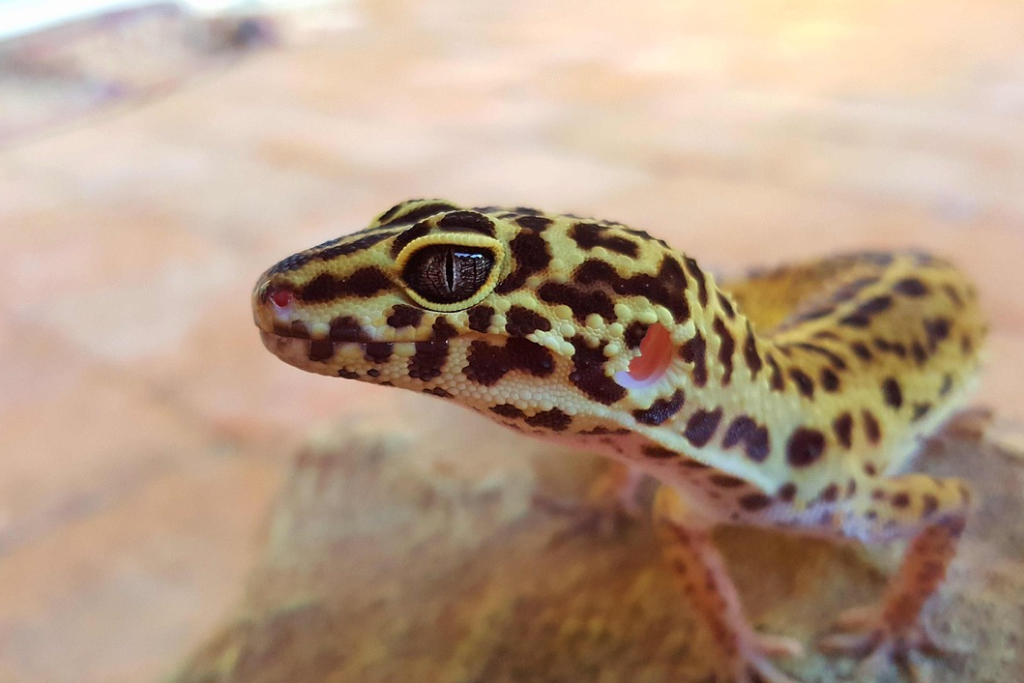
pixel 60 61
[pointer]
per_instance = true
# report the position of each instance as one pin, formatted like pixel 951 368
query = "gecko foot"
pixel 752 661
pixel 865 634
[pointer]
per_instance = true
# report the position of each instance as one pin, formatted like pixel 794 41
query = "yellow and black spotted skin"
pixel 779 399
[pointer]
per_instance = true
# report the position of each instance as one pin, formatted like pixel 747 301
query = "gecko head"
pixel 490 306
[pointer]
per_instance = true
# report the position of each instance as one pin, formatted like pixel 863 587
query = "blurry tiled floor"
pixel 143 429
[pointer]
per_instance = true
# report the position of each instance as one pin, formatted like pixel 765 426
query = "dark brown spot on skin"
pixel 966 345
pixel 851 290
pixel 830 494
pixel 834 359
pixel 702 426
pixel 750 354
pixel 895 348
pixel 816 314
pixel 373 372
pixel 953 295
pixel 753 437
pixel 870 469
pixel 803 381
pixel 892 393
pixel 604 430
pixel 348 374
pixel 829 380
pixel 418 230
pixel 364 282
pixel 842 426
pixel 330 250
pixel 937 331
pixel 805 447
pixel 900 500
pixel 581 301
pixel 553 419
pixel 754 502
pixel 320 350
pixel 438 391
pixel 404 316
pixel 875 305
pixel 428 361
pixel 667 287
pixel 298 330
pixel 590 235
pixel 911 287
pixel 726 481
pixel 487 364
pixel 588 373
pixel 726 347
pixel 635 334
pixel 726 305
pixel 778 382
pixel 533 358
pixel 947 384
pixel 697 274
pixel 467 221
pixel 508 410
pixel 419 213
pixel 694 351
pixel 856 319
pixel 347 328
pixel 920 410
pixel 871 427
pixel 530 254
pixel 536 223
pixel 661 409
pixel 920 355
pixel 693 464
pixel 787 492
pixel 377 352
pixel 443 330
pixel 522 321
pixel 480 318
pixel 861 350
pixel 660 452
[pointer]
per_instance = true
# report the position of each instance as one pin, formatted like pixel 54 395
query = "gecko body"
pixel 794 397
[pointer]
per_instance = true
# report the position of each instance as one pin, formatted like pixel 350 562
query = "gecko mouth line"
pixel 304 349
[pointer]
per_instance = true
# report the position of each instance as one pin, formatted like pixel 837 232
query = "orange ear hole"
pixel 654 359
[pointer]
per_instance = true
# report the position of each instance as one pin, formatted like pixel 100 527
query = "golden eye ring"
pixel 450 272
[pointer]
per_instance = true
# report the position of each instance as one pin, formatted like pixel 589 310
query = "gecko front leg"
pixel 932 512
pixel 698 567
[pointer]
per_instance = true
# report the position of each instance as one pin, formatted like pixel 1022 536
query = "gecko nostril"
pixel 281 297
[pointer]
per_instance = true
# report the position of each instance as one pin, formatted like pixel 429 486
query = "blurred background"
pixel 155 158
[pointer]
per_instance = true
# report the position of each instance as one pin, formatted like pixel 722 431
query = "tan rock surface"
pixel 419 554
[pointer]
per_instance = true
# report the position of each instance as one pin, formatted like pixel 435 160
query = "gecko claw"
pixel 865 635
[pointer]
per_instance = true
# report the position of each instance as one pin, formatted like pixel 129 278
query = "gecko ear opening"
pixel 654 359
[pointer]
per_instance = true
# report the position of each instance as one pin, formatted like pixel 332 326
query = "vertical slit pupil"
pixel 448 273
pixel 449 269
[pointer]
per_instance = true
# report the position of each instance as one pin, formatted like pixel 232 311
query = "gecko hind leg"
pixel 932 513
pixel 744 654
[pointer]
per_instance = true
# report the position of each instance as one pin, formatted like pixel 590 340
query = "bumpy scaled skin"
pixel 790 398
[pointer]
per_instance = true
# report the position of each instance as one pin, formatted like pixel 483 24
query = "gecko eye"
pixel 447 274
